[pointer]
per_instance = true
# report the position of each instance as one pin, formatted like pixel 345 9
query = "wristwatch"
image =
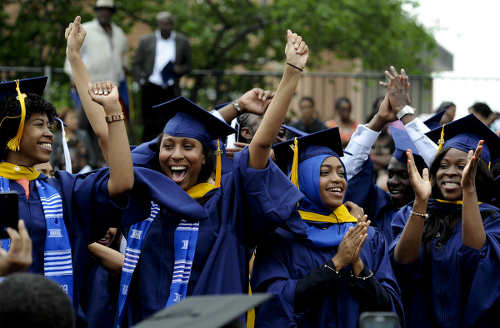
pixel 406 110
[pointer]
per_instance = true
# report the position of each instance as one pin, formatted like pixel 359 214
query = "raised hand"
pixel 255 101
pixel 398 88
pixel 420 184
pixel 19 257
pixel 468 181
pixel 296 50
pixel 75 35
pixel 106 95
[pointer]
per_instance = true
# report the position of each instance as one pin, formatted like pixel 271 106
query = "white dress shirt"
pixel 165 52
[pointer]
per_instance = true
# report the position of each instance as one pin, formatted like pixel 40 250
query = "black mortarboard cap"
pixel 464 134
pixel 323 142
pixel 192 121
pixel 30 85
pixel 402 143
pixel 433 122
pixel 205 312
pixel 296 132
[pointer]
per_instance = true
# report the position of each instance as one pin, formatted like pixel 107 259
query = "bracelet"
pixel 300 69
pixel 237 108
pixel 370 274
pixel 422 215
pixel 331 269
pixel 115 117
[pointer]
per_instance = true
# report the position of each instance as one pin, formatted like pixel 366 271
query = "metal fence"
pixel 209 87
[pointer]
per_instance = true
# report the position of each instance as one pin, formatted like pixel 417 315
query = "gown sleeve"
pixel 270 197
pixel 482 267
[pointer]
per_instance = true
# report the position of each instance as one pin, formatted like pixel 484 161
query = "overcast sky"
pixel 469 30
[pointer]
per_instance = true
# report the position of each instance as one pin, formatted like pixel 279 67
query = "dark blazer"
pixel 144 59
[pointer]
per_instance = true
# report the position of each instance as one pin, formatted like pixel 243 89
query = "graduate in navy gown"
pixel 65 213
pixel 331 266
pixel 446 253
pixel 199 225
pixel 377 203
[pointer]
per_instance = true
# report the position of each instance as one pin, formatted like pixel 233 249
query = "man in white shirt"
pixel 162 57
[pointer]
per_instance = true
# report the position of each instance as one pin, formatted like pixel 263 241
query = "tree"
pixel 229 33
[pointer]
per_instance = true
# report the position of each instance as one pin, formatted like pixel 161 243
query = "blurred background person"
pixel 76 138
pixel 161 58
pixel 483 112
pixel 105 54
pixel 346 124
pixel 45 168
pixel 308 121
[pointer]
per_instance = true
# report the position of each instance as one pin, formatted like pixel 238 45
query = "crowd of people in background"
pixel 333 218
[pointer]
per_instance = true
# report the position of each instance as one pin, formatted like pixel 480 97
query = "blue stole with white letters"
pixel 185 240
pixel 132 252
pixel 58 263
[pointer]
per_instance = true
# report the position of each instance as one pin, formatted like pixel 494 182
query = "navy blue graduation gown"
pixel 452 285
pixel 376 202
pixel 232 219
pixel 101 295
pixel 88 212
pixel 281 262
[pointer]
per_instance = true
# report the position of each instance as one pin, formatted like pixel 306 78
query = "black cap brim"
pixel 204 311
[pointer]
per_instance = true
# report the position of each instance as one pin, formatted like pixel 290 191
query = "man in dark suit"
pixel 161 59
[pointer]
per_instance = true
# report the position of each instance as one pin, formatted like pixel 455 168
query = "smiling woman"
pixel 65 213
pixel 332 266
pixel 446 247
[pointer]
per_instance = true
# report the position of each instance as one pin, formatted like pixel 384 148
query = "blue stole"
pixel 185 239
pixel 58 263
pixel 132 252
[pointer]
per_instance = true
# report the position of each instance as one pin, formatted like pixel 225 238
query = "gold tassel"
pixel 489 166
pixel 218 167
pixel 441 140
pixel 15 142
pixel 294 174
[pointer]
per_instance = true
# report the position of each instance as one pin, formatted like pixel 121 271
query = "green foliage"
pixel 229 33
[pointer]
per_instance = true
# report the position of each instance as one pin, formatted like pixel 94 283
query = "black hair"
pixel 441 223
pixel 307 98
pixel 482 109
pixel 10 107
pixel 341 100
pixel 31 300
pixel 445 105
pixel 206 169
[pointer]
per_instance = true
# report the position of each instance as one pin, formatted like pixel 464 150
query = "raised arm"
pixel 473 234
pixel 398 93
pixel 297 53
pixel 121 173
pixel 75 35
pixel 409 245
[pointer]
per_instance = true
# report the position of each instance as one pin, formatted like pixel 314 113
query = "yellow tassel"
pixel 218 167
pixel 489 166
pixel 294 174
pixel 14 143
pixel 251 312
pixel 441 140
